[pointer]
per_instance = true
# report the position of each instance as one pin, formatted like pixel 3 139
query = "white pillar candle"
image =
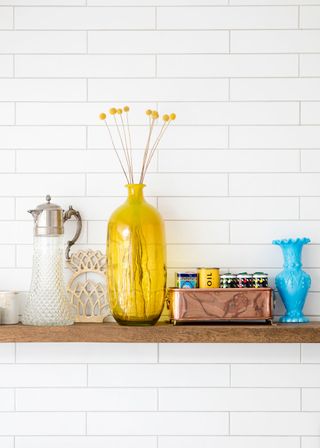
pixel 9 304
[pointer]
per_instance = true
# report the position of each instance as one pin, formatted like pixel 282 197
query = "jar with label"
pixel 228 280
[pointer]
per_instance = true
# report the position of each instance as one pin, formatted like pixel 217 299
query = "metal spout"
pixel 35 214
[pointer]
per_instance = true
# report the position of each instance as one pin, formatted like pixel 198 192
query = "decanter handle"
pixel 67 215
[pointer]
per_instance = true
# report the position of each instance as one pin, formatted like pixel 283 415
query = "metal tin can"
pixel 245 280
pixel 209 277
pixel 260 280
pixel 228 280
pixel 186 280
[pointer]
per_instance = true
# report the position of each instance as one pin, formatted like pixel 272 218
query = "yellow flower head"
pixel 166 117
pixel 126 108
pixel 102 116
pixel 149 112
pixel 155 114
pixel 172 116
pixel 119 111
pixel 113 110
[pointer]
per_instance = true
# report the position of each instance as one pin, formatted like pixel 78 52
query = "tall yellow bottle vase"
pixel 136 261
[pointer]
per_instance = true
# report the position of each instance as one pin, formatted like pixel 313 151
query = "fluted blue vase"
pixel 293 283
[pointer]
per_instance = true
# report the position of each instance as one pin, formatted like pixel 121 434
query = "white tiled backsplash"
pixel 240 167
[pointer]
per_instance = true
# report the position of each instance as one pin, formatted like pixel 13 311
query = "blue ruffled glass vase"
pixel 293 283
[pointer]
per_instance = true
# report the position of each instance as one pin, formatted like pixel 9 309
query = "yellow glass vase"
pixel 136 261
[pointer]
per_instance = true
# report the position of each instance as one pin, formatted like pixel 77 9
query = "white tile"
pixel 7 353
pixel 86 353
pixel 43 2
pixel 275 423
pixel 6 18
pixel 274 184
pixel 160 184
pixel 227 17
pixel 310 208
pixel 179 137
pixel 87 442
pixel 42 89
pixel 201 232
pixel 7 161
pixel 79 66
pixel 41 375
pixel 71 161
pixel 7 208
pixel 228 208
pixel 6 111
pixel 41 184
pixel 310 17
pixel 310 112
pixel 42 423
pixel 310 353
pixel 43 137
pixel 157 90
pixel 282 41
pixel 222 113
pixel 229 161
pixel 275 89
pixel 7 442
pixel 275 375
pixel 7 401
pixel 148 375
pixel 158 42
pixel 155 423
pixel 55 18
pixel 229 353
pixel 223 255
pixel 310 399
pixel 76 114
pixel 15 279
pixel 86 399
pixel 310 160
pixel 7 256
pixel 42 41
pixel 286 137
pixel 244 65
pixel 6 66
pixel 309 64
pixel 310 442
pixel 156 2
pixel 227 442
pixel 273 2
pixel 255 232
pixel 229 399
pixel 16 232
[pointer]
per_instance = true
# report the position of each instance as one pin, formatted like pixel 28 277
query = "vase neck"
pixel 135 192
pixel 292 256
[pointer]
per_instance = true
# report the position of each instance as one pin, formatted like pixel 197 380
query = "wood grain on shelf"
pixel 162 332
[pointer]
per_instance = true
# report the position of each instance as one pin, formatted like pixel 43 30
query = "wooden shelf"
pixel 162 332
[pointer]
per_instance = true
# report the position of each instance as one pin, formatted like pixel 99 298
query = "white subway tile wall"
pixel 240 167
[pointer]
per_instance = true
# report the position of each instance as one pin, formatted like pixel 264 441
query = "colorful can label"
pixel 186 280
pixel 228 281
pixel 245 280
pixel 260 280
pixel 209 277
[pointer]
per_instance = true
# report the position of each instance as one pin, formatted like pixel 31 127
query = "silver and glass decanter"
pixel 47 302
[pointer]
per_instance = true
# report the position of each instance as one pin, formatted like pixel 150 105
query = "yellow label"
pixel 209 278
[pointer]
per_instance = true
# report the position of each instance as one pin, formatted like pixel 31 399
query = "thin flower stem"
pixel 126 150
pixel 151 125
pixel 123 147
pixel 130 143
pixel 114 147
pixel 155 146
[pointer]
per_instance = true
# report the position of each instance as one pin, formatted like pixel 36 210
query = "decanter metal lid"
pixel 48 219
